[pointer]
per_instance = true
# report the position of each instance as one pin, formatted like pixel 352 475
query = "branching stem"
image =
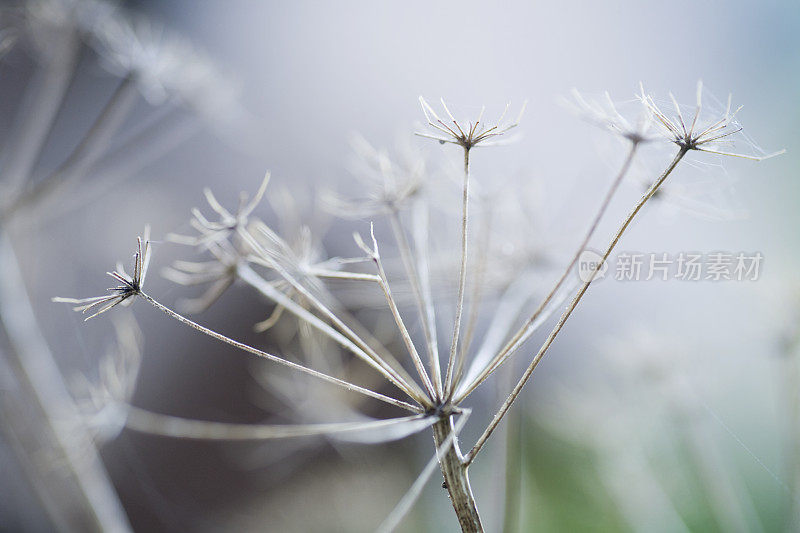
pixel 456 479
pixel 364 350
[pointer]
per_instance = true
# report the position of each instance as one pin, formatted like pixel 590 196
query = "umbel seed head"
pixel 467 134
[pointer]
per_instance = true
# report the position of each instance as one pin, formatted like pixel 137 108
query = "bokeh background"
pixel 660 399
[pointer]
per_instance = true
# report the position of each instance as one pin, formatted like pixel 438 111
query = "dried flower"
pixel 711 137
pixel 220 273
pixel 228 222
pixel 390 184
pixel 130 285
pixel 605 114
pixel 163 63
pixel 466 135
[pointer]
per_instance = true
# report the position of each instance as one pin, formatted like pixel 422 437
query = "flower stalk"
pixel 462 279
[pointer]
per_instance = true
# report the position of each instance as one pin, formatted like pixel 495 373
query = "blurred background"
pixel 663 405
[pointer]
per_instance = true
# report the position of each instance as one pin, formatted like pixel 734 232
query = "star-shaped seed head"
pixel 467 134
pixel 228 222
pixel 603 113
pixel 703 135
pixel 129 285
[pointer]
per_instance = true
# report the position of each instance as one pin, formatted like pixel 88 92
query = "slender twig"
pixel 504 317
pixel 422 300
pixel 475 296
pixel 456 478
pixel 421 243
pixel 551 337
pixel 382 363
pixel 255 351
pixel 145 421
pixel 462 279
pixel 374 253
pixel 340 274
pixel 522 334
pixel 352 322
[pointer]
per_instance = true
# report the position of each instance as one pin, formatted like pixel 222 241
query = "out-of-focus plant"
pixel 165 89
pixel 648 426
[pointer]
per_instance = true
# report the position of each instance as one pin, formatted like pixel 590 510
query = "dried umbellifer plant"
pixel 436 387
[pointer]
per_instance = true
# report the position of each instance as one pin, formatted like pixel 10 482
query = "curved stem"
pixel 557 328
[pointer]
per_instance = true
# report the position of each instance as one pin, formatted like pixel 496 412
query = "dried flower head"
pixel 391 184
pixel 704 135
pixel 466 134
pixel 604 113
pixel 215 238
pixel 164 64
pixel 220 273
pixel 228 222
pixel 130 285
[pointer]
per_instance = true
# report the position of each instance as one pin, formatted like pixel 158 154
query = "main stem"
pixel 456 480
pixel 462 280
pixel 557 328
